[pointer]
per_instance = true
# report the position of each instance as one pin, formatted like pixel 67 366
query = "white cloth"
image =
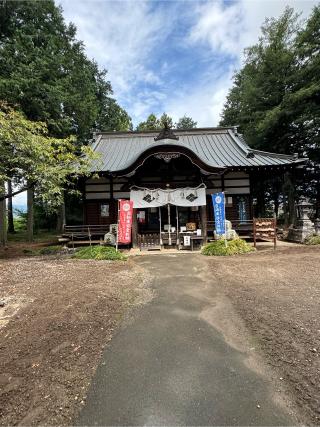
pixel 147 198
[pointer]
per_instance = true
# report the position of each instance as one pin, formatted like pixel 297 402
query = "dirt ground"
pixel 277 293
pixel 65 311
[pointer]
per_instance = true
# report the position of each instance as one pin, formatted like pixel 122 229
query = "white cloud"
pixel 229 28
pixel 120 36
pixel 205 102
pixel 226 29
pixel 126 37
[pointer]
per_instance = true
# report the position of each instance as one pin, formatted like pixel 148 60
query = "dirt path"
pixel 58 317
pixel 277 293
pixel 185 359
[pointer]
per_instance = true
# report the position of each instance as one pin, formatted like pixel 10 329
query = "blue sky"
pixel 172 56
pixel 176 57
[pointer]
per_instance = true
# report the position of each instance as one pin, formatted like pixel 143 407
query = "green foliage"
pixel 113 118
pixel 313 240
pixel 99 253
pixel 186 123
pixel 44 70
pixel 275 98
pixel 31 158
pixel 234 247
pixel 40 236
pixel 20 221
pixel 154 123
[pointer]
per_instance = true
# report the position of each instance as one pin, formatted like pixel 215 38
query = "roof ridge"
pixel 156 132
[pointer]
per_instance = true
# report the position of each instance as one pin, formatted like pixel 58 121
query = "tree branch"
pixel 6 196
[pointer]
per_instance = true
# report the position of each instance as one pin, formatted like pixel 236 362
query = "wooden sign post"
pixel 265 228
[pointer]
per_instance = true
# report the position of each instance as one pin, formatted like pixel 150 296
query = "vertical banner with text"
pixel 219 212
pixel 125 221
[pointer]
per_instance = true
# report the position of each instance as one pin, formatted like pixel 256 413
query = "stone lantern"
pixel 303 226
pixel 304 209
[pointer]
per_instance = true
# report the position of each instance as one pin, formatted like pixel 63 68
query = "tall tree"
pixel 186 122
pixel 112 117
pixel 303 103
pixel 261 85
pixel 154 123
pixel 275 97
pixel 44 70
pixel 37 162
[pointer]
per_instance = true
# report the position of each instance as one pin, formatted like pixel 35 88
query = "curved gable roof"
pixel 215 147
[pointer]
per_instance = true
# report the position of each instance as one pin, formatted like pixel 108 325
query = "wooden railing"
pixel 85 231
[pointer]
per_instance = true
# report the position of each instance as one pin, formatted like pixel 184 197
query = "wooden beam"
pixel 203 216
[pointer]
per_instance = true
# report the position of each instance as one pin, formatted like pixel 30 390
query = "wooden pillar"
pixel 134 229
pixel 203 216
pixel 113 203
pixel 3 222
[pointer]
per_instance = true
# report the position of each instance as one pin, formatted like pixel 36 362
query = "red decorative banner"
pixel 125 221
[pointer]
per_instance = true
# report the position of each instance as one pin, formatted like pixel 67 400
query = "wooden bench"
pixel 84 233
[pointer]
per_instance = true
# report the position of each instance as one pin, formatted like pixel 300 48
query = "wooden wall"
pixel 98 192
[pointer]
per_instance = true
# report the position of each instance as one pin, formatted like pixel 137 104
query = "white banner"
pixel 147 198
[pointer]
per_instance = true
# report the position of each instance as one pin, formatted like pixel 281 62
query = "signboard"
pixel 218 201
pixel 125 221
pixel 104 210
pixel 266 229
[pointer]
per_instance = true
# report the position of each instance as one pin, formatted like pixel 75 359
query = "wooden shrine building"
pixel 170 176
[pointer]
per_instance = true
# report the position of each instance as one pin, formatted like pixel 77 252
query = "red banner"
pixel 125 221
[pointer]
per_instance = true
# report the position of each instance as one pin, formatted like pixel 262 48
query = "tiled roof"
pixel 216 147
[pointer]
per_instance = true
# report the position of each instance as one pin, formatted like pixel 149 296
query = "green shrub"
pixel 234 247
pixel 313 240
pixel 99 253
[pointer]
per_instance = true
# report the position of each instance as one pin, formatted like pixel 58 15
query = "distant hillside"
pixel 19 207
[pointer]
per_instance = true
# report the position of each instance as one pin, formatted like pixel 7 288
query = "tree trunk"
pixel 61 218
pixel 276 204
pixel 10 210
pixel 289 191
pixel 30 221
pixel 3 225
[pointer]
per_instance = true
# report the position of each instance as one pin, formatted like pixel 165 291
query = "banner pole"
pixel 117 227
pixel 225 230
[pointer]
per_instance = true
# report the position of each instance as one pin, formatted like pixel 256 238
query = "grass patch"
pixel 41 236
pixel 234 247
pixel 313 240
pixel 99 253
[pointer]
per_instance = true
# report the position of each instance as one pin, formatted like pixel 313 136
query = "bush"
pixel 313 240
pixel 99 253
pixel 234 247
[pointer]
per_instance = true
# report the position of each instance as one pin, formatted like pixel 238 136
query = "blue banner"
pixel 219 212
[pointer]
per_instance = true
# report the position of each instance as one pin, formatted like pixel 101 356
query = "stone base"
pixel 297 234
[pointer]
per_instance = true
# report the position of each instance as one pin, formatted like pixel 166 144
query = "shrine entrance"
pixel 176 224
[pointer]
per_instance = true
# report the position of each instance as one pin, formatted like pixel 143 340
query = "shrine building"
pixel 170 177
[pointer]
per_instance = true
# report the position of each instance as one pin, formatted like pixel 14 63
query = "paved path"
pixel 170 366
